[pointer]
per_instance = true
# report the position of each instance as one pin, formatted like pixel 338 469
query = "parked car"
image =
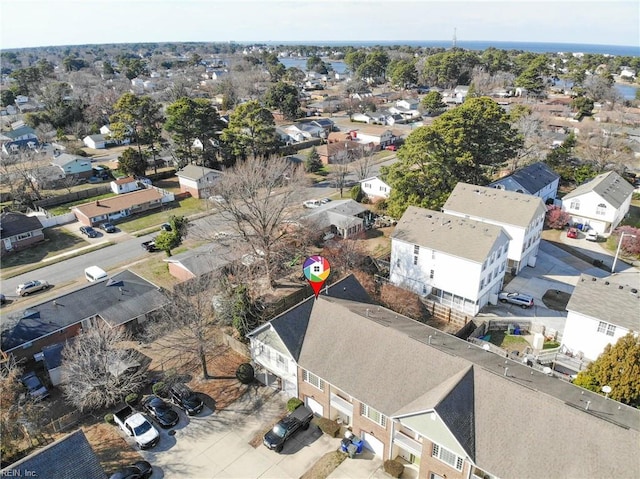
pixel 275 438
pixel 3 299
pixel 186 399
pixel 134 424
pixel 217 199
pixel 391 147
pixel 166 227
pixel 36 389
pixel 137 470
pixel 522 300
pixel 311 203
pixel 29 287
pixel 160 411
pixel 150 246
pixel 572 233
pixel 89 231
pixel 592 235
pixel 324 201
pixel 107 227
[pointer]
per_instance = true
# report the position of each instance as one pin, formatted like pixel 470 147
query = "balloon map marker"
pixel 316 269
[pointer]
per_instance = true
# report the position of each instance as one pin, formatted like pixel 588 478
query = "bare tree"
pixel 339 169
pixel 530 126
pixel 605 148
pixel 362 167
pixel 257 194
pixel 98 370
pixel 185 324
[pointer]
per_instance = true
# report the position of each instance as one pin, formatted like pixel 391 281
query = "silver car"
pixel 31 287
pixel 522 300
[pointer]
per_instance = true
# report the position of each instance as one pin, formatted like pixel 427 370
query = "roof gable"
pixel 193 172
pixel 532 178
pixel 610 186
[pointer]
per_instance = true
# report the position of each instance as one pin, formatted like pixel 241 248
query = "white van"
pixel 94 273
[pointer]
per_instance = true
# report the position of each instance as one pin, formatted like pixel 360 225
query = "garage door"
pixel 373 444
pixel 314 405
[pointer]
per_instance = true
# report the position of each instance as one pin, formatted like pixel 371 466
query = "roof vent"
pixel 634 290
pixel 607 283
pixel 594 279
pixel 620 287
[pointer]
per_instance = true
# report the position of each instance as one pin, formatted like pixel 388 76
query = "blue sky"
pixel 26 23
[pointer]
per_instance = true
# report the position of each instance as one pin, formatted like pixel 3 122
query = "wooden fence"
pixel 71 197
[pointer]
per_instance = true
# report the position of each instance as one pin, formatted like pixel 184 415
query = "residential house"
pixel 129 184
pixel 601 311
pixel 69 457
pixel 536 179
pixel 324 123
pixel 19 231
pixel 521 216
pixel 408 103
pixel 121 206
pixel 106 132
pixel 375 188
pixel 47 176
pixel 601 203
pixel 379 136
pixel 21 137
pixel 413 392
pixel 276 345
pixel 198 181
pixel 459 262
pixel 124 299
pixel 208 259
pixel 97 142
pixel 73 165
pixel 340 151
pixel 345 218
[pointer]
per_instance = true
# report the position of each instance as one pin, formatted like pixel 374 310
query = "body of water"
pixel 301 63
pixel 535 47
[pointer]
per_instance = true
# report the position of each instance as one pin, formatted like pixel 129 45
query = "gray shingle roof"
pixel 391 363
pixel 460 237
pixel 610 186
pixel 123 297
pixel 13 223
pixel 65 158
pixel 291 325
pixel 341 213
pixel 616 301
pixel 68 458
pixel 193 172
pixel 211 256
pixel 531 178
pixel 492 204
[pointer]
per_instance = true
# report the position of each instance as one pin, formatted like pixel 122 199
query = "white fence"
pixel 48 220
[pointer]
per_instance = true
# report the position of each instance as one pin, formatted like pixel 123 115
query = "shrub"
pixel 245 373
pixel 159 388
pixel 556 218
pixel 356 193
pixel 108 418
pixel 132 399
pixel 293 404
pixel 328 426
pixel 393 467
pixel 550 345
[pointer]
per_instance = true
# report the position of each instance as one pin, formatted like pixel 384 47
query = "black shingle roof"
pixel 12 223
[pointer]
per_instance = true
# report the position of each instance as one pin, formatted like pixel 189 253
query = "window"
pixel 433 254
pixel 575 205
pixel 23 236
pixel 431 273
pixel 484 265
pixel 281 361
pixel 313 380
pixel 506 248
pixel 415 260
pixel 416 249
pixel 601 209
pixel 447 456
pixel 481 284
pixel 367 185
pixel 606 328
pixel 372 414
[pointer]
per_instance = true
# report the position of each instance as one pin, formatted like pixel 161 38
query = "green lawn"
pixel 187 207
pixel 65 208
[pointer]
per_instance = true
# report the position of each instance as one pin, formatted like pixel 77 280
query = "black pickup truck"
pixel 287 427
pixel 150 246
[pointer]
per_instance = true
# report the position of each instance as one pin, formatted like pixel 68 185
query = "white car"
pixel 311 203
pixel 592 235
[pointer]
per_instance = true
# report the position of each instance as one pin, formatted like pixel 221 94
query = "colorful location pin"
pixel 316 270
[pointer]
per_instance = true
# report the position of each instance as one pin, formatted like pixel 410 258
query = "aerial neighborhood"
pixel 161 203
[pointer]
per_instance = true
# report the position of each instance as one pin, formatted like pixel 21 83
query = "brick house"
pixel 19 231
pixel 413 392
pixel 198 181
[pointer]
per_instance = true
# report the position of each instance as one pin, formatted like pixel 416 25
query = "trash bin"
pixel 352 449
pixel 359 444
pixel 346 442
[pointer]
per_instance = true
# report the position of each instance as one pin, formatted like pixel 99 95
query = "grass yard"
pixel 65 208
pixel 187 207
pixel 156 270
pixel 509 342
pixel 57 241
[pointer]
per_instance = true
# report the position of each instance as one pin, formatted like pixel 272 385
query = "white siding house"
pixel 457 261
pixel 521 215
pixel 601 311
pixel 275 365
pixel 536 179
pixel 375 188
pixel 600 203
pixel 199 181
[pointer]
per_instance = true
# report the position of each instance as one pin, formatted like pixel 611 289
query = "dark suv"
pixel 186 399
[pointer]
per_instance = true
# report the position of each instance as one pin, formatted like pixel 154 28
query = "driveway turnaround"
pixel 216 445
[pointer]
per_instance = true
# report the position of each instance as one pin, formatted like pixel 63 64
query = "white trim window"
pixel 606 328
pixel 447 457
pixel 373 415
pixel 601 209
pixel 313 380
pixel 575 205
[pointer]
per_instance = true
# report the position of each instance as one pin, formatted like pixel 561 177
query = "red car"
pixel 391 147
pixel 572 233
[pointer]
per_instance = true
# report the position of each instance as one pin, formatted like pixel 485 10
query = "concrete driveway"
pixel 216 445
